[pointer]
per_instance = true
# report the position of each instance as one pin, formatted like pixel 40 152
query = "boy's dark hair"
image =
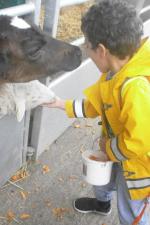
pixel 115 24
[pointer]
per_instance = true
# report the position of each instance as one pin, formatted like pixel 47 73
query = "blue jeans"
pixel 128 209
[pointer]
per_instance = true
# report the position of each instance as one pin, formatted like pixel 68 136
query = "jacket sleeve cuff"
pixel 113 150
pixel 75 108
pixel 69 108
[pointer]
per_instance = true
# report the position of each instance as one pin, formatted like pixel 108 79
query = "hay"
pixel 70 21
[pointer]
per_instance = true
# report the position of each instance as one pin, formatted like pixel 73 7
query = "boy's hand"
pixel 102 143
pixel 57 103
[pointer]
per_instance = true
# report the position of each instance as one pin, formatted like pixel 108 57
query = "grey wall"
pixel 11 147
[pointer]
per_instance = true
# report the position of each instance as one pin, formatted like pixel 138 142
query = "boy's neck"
pixel 116 64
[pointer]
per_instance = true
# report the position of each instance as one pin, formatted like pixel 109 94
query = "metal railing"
pixel 18 10
pixel 64 3
pixel 24 9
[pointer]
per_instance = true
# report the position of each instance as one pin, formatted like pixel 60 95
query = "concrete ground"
pixel 46 198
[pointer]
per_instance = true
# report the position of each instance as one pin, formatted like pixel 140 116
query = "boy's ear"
pixel 102 50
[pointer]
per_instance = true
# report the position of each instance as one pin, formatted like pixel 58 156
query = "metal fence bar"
pixel 18 10
pixel 37 11
pixel 51 9
pixel 64 3
pixel 147 8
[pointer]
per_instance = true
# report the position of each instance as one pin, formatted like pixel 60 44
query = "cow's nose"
pixel 78 52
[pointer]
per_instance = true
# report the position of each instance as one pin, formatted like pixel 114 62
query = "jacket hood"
pixel 139 65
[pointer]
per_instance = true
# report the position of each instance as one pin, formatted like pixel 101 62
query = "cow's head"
pixel 26 53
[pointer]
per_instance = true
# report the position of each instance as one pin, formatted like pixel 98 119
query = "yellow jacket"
pixel 124 105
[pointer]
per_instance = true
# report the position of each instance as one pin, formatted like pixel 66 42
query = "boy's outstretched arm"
pixel 74 108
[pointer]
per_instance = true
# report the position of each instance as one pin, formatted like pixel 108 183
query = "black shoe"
pixel 88 205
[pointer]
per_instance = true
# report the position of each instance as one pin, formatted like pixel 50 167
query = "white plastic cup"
pixel 96 168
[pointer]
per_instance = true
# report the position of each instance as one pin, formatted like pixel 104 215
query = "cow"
pixel 27 53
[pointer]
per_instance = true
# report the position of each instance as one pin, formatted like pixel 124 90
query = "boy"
pixel 113 31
